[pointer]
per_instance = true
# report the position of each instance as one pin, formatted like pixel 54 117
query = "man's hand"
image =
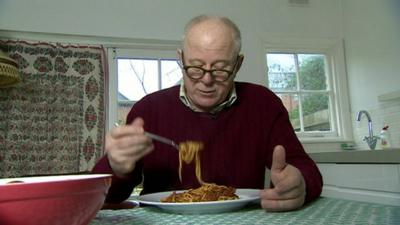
pixel 125 145
pixel 289 189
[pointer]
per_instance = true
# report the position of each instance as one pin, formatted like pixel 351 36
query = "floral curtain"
pixel 53 121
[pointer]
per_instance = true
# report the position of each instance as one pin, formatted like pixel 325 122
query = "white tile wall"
pixel 387 112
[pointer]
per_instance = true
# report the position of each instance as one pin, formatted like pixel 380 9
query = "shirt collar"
pixel 184 99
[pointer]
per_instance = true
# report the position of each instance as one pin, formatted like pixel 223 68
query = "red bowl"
pixel 52 200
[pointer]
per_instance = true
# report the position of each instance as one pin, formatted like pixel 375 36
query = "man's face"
pixel 209 45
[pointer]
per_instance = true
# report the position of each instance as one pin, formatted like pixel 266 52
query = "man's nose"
pixel 207 78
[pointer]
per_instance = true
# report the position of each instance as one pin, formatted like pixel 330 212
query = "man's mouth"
pixel 207 92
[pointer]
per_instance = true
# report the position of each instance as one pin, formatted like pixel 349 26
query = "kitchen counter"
pixel 387 156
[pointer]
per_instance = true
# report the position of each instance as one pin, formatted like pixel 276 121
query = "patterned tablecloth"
pixel 324 211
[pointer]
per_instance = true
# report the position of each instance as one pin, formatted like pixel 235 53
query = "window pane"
pixel 171 73
pixel 291 103
pixel 316 112
pixel 312 72
pixel 137 78
pixel 281 72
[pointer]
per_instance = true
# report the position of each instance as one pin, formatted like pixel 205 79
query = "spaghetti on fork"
pixel 189 151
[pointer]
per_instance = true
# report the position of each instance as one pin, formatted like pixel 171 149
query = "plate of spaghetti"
pixel 208 198
pixel 200 201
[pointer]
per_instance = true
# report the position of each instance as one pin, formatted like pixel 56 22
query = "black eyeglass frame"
pixel 204 71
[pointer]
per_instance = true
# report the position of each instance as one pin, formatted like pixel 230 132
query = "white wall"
pixel 372 34
pixel 161 19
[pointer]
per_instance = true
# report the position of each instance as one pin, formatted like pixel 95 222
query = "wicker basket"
pixel 9 74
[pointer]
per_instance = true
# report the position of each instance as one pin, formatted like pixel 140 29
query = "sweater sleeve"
pixel 121 188
pixel 282 133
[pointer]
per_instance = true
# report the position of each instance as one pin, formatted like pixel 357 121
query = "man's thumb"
pixel 278 158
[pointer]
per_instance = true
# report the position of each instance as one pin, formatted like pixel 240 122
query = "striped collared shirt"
pixel 231 99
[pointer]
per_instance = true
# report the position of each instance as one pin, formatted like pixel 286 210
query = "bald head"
pixel 212 29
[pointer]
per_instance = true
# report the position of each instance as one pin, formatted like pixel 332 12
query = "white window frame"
pixel 333 49
pixel 153 50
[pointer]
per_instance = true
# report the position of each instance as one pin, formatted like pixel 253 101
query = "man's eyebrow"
pixel 197 61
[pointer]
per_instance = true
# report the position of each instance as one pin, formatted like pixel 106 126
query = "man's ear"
pixel 179 54
pixel 239 63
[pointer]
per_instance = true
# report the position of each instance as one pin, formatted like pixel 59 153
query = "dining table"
pixel 324 211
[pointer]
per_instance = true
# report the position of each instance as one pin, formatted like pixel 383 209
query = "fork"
pixel 158 138
pixel 162 139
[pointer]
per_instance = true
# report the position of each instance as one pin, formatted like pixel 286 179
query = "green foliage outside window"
pixel 312 77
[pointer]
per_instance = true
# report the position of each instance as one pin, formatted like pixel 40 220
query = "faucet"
pixel 371 139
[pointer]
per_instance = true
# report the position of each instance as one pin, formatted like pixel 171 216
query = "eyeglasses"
pixel 196 72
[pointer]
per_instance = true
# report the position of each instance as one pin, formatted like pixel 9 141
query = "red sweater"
pixel 238 143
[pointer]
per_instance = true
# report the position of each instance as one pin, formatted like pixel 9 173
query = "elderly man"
pixel 244 128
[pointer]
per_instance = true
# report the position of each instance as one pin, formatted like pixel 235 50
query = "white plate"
pixel 246 196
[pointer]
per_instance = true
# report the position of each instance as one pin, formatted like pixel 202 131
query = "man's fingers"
pixel 128 130
pixel 289 192
pixel 292 178
pixel 273 201
pixel 278 159
pixel 281 205
pixel 128 141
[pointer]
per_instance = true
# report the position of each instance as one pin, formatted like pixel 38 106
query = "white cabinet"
pixel 378 183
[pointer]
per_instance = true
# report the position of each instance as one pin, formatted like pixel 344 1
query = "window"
pixel 310 80
pixel 136 72
pixel 300 80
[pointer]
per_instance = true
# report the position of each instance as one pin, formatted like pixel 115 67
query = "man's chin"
pixel 206 105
